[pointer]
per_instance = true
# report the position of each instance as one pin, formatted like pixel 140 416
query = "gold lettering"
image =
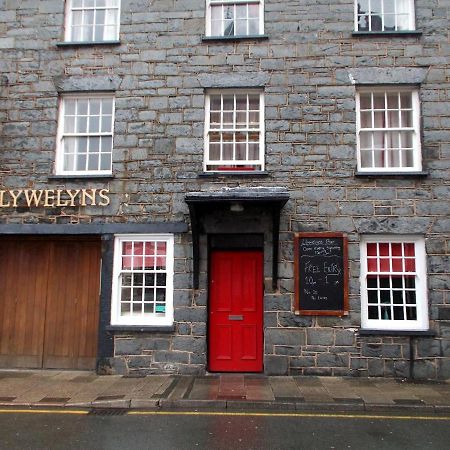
pixel 102 194
pixel 15 196
pixel 2 203
pixel 32 197
pixel 49 198
pixel 59 200
pixel 85 194
pixel 73 196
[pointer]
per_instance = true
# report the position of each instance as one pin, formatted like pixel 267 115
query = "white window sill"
pixel 391 174
pixel 234 173
pixel 236 38
pixel 366 332
pixel 400 33
pixel 86 43
pixel 142 328
pixel 63 176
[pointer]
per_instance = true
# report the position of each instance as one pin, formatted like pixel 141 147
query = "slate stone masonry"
pixel 307 68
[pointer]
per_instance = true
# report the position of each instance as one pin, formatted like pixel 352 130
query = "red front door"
pixel 235 311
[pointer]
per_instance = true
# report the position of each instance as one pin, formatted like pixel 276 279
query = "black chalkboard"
pixel 321 273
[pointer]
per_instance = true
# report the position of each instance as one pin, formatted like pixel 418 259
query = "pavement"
pixel 77 389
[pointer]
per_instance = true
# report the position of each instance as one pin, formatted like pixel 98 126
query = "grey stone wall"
pixel 160 71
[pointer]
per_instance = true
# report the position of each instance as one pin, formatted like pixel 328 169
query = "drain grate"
pixel 54 400
pixel 107 412
pixel 109 397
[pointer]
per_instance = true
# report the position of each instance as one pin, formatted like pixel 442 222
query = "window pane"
pixel 214 152
pixel 214 120
pixel 378 101
pixel 93 161
pixel 228 102
pixel 106 124
pixel 398 313
pixel 241 119
pixel 373 312
pixel 81 124
pixel 228 28
pixel 80 162
pixel 241 27
pixel 216 12
pixel 253 26
pixel 253 152
pixel 69 124
pixel 94 124
pixel 125 308
pixel 106 144
pixel 253 11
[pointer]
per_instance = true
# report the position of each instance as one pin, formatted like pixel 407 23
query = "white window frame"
pixel 411 18
pixel 151 319
pixel 69 19
pixel 61 134
pixel 210 3
pixel 248 166
pixel 415 129
pixel 421 292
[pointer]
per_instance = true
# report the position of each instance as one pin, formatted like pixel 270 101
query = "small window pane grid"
pixel 388 131
pixel 93 20
pixel 234 139
pixel 384 15
pixel 86 135
pixel 143 281
pixel 393 289
pixel 235 18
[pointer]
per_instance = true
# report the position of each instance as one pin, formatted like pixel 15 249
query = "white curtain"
pixel 404 15
pixel 110 28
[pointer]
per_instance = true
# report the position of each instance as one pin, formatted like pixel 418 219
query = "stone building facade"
pixel 315 73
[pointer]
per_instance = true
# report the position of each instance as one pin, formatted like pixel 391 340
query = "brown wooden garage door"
pixel 49 303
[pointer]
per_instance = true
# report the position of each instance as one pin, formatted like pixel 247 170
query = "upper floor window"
pixel 384 15
pixel 92 20
pixel 393 283
pixel 234 17
pixel 234 131
pixel 85 135
pixel 143 280
pixel 388 130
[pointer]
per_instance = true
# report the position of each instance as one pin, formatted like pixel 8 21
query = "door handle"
pixel 235 317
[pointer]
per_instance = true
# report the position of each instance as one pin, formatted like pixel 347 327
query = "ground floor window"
pixel 143 280
pixel 393 283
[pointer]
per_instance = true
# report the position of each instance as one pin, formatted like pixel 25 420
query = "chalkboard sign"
pixel 321 274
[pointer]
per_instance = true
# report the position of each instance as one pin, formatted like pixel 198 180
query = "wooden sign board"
pixel 321 274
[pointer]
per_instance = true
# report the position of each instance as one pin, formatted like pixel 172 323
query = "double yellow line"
pixel 82 412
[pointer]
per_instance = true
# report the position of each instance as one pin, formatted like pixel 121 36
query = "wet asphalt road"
pixel 207 431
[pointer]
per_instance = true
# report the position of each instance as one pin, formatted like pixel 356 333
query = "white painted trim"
pixel 411 16
pixel 68 9
pixel 210 3
pixel 59 157
pixel 116 319
pixel 260 161
pixel 417 153
pixel 422 322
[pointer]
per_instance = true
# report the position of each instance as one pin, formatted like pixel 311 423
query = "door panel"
pixel 22 303
pixel 72 316
pixel 235 305
pixel 49 301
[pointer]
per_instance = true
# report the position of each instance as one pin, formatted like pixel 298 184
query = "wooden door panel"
pixel 236 294
pixel 23 284
pixel 72 306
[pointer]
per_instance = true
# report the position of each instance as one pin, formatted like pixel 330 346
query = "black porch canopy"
pixel 271 199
